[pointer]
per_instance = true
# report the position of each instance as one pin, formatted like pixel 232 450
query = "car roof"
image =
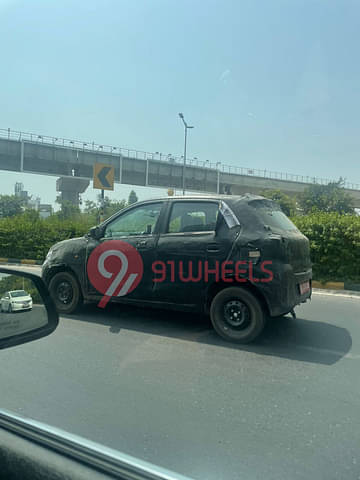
pixel 233 198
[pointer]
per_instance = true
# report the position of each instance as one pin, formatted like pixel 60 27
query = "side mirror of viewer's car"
pixel 27 311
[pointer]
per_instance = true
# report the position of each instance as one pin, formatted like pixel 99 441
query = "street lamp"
pixel 218 177
pixel 186 127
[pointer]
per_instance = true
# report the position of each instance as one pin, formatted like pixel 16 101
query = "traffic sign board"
pixel 103 176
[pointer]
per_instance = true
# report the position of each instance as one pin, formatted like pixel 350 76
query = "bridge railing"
pixel 169 158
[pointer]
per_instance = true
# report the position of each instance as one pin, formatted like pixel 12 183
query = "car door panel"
pixel 192 253
pixel 145 244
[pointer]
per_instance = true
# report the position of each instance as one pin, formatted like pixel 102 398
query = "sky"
pixel 267 84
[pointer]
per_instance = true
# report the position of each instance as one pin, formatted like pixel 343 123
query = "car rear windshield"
pixel 19 293
pixel 272 215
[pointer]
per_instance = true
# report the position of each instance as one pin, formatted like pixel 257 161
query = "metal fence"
pixel 139 154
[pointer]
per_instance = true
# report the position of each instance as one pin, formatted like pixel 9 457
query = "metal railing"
pixel 139 154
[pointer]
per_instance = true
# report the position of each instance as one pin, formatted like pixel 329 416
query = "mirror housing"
pixel 27 311
pixel 95 232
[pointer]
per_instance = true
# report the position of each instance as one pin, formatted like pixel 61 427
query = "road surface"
pixel 163 387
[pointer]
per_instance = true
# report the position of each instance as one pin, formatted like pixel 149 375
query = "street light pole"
pixel 186 127
pixel 218 177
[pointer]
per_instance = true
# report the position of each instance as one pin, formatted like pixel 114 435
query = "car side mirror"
pixel 95 232
pixel 28 313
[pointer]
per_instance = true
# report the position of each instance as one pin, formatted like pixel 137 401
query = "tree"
pixel 68 209
pixel 287 203
pixel 326 198
pixel 132 197
pixel 10 205
pixel 31 214
pixel 110 207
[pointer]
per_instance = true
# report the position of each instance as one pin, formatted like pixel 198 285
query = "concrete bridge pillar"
pixel 70 188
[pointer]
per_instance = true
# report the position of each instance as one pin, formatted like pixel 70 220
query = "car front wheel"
pixel 237 315
pixel 65 291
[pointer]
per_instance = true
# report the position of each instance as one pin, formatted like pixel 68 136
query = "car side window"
pixel 138 221
pixel 193 217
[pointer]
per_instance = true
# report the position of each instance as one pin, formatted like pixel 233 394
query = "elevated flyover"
pixel 65 158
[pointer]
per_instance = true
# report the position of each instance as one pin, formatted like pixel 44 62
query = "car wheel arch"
pixel 63 268
pixel 216 287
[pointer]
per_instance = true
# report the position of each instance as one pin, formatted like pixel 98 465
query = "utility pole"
pixel 186 127
pixel 102 205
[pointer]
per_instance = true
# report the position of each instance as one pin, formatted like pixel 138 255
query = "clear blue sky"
pixel 267 84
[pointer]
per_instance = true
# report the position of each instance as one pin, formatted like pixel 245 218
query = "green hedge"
pixel 334 243
pixel 334 240
pixel 22 237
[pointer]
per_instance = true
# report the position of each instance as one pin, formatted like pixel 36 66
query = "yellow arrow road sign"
pixel 103 176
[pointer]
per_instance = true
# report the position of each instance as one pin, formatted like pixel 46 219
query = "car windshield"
pixel 184 177
pixel 18 293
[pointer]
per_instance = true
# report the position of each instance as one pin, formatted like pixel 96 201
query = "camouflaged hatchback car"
pixel 237 258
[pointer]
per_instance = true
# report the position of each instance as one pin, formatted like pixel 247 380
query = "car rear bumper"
pixel 282 294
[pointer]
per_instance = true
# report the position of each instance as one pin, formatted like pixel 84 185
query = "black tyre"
pixel 65 291
pixel 237 315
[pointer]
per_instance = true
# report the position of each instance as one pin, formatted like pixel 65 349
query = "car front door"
pixel 137 226
pixel 187 247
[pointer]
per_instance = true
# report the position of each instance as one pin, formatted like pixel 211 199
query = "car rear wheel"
pixel 237 315
pixel 65 291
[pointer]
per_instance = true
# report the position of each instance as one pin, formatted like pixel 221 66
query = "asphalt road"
pixel 163 387
pixel 22 321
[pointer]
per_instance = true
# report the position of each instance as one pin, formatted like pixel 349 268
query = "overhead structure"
pixel 21 152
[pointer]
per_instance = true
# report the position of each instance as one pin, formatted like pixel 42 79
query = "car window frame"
pixel 129 210
pixel 171 204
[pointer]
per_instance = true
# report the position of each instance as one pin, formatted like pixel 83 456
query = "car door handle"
pixel 213 248
pixel 141 244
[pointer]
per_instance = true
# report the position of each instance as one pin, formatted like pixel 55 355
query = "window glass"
pixel 272 215
pixel 138 221
pixel 19 293
pixel 193 217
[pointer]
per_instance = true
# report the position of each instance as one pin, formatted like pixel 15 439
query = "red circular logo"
pixel 114 268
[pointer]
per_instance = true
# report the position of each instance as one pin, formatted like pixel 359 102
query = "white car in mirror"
pixel 16 300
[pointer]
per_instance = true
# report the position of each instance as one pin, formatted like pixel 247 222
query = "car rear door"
pixel 188 246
